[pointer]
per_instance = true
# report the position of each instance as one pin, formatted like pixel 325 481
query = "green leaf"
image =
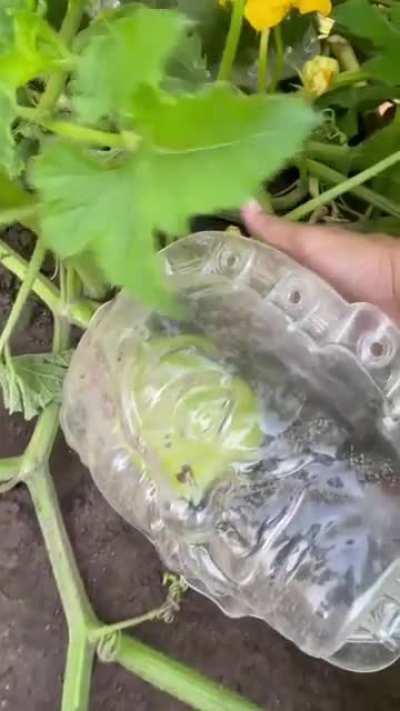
pixel 12 195
pixel 211 22
pixel 121 51
pixel 8 8
pixel 394 15
pixel 213 149
pixel 29 47
pixel 187 68
pixel 364 20
pixel 31 382
pixel 199 153
pixel 114 229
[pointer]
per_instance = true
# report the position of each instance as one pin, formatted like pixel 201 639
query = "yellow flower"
pixel 318 74
pixel 264 14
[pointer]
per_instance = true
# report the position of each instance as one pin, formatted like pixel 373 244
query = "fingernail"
pixel 253 207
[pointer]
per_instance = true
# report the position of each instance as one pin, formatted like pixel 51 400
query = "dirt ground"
pixel 123 576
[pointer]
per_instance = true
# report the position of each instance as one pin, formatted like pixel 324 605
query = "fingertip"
pixel 270 228
pixel 250 212
pixel 256 219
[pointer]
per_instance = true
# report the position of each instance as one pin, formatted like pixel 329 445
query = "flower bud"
pixel 318 75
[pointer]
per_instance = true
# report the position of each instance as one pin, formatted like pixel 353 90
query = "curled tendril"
pixel 177 586
pixel 328 129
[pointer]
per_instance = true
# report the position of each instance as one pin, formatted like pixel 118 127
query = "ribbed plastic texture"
pixel 256 443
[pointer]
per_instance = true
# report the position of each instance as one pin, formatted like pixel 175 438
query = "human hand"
pixel 361 268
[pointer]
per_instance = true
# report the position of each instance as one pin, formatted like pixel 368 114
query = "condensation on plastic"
pixel 306 534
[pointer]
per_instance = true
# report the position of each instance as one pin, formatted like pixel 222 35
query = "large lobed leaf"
pixel 211 150
pixel 199 153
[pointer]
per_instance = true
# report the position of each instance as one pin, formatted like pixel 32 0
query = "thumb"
pixel 361 268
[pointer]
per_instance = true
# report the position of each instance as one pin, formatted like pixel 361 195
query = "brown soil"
pixel 123 576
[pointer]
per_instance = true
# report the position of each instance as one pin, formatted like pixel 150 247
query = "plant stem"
pixel 17 214
pixel 73 595
pixel 10 472
pixel 176 679
pixel 81 134
pixel 68 30
pixel 42 286
pixel 9 468
pixel 344 53
pixel 91 136
pixel 327 151
pixel 263 61
pixel 279 58
pixel 72 20
pixel 345 186
pixel 282 203
pixel 92 280
pixel 232 40
pixel 79 312
pixel 23 294
pixel 77 609
pixel 41 442
pixel 152 666
pixel 78 672
pixel 370 196
pixel 353 77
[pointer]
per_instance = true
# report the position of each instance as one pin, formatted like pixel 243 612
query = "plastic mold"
pixel 256 444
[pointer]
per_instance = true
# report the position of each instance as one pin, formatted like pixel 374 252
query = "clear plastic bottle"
pixel 256 443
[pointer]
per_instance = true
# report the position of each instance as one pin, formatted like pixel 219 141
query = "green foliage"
pixel 187 163
pixel 366 21
pixel 187 68
pixel 198 141
pixel 12 196
pixel 93 203
pixel 210 21
pixel 179 145
pixel 134 138
pixel 121 51
pixel 31 382
pixel 29 47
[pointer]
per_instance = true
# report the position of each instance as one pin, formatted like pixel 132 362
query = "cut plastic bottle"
pixel 256 443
